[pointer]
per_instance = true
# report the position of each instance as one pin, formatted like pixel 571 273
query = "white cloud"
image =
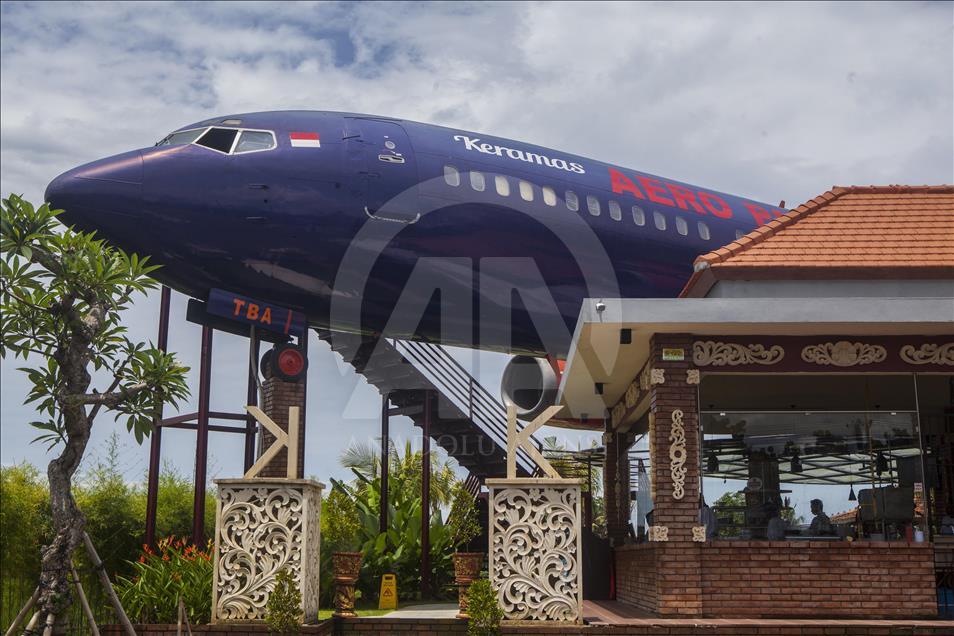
pixel 774 101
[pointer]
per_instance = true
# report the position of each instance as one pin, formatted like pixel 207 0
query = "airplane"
pixel 356 220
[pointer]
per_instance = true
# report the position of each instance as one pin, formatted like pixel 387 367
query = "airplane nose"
pixel 101 194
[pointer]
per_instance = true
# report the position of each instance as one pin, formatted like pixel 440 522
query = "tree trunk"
pixel 68 525
pixel 69 522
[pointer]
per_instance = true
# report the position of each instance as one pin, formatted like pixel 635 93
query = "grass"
pixel 361 611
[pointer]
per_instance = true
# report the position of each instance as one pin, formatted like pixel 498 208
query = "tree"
pixel 62 293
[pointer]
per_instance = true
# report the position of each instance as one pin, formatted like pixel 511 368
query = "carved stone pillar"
pixel 535 545
pixel 263 526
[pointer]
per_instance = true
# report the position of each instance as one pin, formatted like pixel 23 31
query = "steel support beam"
pixel 251 398
pixel 202 439
pixel 155 443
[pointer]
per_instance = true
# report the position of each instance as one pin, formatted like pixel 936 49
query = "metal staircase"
pixel 466 421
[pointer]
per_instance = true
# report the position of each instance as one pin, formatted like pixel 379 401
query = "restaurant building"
pixel 797 402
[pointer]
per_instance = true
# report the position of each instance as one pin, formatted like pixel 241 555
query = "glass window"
pixel 502 185
pixel 703 231
pixel 252 140
pixel 218 139
pixel 549 195
pixel 659 220
pixel 615 212
pixel 798 460
pixel 639 217
pixel 477 181
pixel 526 191
pixel 681 226
pixel 572 202
pixel 593 205
pixel 451 176
pixel 181 138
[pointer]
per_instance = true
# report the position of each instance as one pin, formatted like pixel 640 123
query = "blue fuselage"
pixel 331 213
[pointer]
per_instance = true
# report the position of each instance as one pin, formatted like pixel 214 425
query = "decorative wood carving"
pixel 844 353
pixel 644 378
pixel 535 549
pixel 658 533
pixel 262 527
pixel 720 354
pixel 929 354
pixel 699 534
pixel 677 455
pixel 692 376
pixel 657 376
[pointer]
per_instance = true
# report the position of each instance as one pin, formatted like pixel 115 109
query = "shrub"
pixel 283 608
pixel 160 577
pixel 485 614
pixel 463 520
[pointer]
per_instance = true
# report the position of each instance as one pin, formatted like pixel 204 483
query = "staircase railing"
pixel 466 392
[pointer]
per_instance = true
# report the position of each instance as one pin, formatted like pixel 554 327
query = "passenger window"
pixel 218 139
pixel 549 195
pixel 451 176
pixel 503 186
pixel 615 213
pixel 572 203
pixel 593 205
pixel 252 140
pixel 659 220
pixel 703 231
pixel 477 181
pixel 681 226
pixel 526 191
pixel 639 217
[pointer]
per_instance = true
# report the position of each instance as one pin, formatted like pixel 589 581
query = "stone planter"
pixel 347 568
pixel 467 566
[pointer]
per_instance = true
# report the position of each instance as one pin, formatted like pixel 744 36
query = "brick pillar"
pixel 678 560
pixel 278 397
pixel 616 486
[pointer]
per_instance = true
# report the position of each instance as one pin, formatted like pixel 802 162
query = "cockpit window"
pixel 252 140
pixel 220 139
pixel 181 138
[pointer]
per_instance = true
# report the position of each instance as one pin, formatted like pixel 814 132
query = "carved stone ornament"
pixel 699 534
pixel 644 378
pixel 618 412
pixel 721 354
pixel 632 394
pixel 929 354
pixel 657 376
pixel 844 353
pixel 535 544
pixel 677 455
pixel 261 527
pixel 692 376
pixel 658 533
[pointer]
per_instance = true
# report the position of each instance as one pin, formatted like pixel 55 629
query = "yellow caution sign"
pixel 388 599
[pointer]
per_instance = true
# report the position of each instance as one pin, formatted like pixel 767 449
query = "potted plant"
pixel 463 525
pixel 342 530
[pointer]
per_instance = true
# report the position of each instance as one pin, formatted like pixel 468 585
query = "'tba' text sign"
pixel 256 312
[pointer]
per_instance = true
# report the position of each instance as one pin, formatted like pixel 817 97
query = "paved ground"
pixel 435 610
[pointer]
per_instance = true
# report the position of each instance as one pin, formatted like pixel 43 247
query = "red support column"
pixel 385 463
pixel 426 500
pixel 251 398
pixel 155 444
pixel 202 439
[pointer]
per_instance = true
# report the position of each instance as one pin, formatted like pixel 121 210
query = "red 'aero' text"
pixel 677 196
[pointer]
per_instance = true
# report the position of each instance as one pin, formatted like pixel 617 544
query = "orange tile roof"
pixel 853 232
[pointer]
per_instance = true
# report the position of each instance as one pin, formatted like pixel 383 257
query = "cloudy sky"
pixel 770 101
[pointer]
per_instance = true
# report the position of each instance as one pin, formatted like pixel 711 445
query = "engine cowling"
pixel 530 384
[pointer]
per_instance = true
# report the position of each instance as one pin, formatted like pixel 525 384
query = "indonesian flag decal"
pixel 304 140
